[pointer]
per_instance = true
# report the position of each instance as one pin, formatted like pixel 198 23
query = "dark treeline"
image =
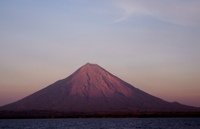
pixel 56 114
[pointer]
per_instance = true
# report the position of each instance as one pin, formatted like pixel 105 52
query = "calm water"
pixel 102 123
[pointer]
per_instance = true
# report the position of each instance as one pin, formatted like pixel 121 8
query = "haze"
pixel 153 45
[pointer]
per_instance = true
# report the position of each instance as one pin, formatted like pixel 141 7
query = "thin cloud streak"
pixel 172 11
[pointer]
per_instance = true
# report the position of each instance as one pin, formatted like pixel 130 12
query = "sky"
pixel 153 45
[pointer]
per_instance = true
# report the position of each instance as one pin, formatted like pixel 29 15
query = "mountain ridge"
pixel 92 89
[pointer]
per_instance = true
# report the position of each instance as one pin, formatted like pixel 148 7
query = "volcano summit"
pixel 92 90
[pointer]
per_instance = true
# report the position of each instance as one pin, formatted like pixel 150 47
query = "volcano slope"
pixel 93 91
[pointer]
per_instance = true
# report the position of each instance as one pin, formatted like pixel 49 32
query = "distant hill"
pixel 93 91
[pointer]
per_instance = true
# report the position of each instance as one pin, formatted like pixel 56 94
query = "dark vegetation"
pixel 56 114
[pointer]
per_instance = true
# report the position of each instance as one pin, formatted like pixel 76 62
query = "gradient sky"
pixel 151 44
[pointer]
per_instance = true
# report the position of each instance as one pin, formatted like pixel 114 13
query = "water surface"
pixel 102 123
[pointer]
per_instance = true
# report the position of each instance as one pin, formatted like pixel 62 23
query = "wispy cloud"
pixel 182 12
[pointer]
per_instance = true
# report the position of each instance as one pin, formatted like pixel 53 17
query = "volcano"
pixel 93 90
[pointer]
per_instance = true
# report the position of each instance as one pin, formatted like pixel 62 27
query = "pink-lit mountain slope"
pixel 92 89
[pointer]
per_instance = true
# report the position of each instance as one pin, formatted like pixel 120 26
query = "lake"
pixel 102 123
